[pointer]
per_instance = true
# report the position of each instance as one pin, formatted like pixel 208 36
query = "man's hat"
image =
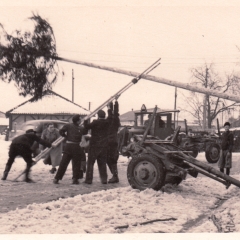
pixel 30 131
pixel 76 118
pixel 101 114
pixel 226 124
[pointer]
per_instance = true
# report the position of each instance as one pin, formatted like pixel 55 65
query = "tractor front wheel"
pixel 146 171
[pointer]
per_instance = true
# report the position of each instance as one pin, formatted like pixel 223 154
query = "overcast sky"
pixel 130 35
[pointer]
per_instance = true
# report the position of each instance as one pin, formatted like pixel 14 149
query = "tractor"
pixel 155 162
pixel 163 128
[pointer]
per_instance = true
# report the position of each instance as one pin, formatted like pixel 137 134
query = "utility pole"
pixel 89 106
pixel 222 113
pixel 72 85
pixel 175 107
pixel 205 101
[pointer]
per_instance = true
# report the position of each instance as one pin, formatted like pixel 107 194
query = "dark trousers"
pixel 72 152
pixel 99 154
pixel 113 154
pixel 227 171
pixel 20 150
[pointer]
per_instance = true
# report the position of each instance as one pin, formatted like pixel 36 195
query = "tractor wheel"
pixel 146 171
pixel 171 179
pixel 212 153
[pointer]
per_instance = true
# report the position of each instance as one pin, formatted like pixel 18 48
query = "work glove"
pixel 83 166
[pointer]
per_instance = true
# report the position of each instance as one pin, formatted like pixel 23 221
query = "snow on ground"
pixel 106 211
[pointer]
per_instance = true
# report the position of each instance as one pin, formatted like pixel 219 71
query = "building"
pixel 127 119
pixel 3 122
pixel 52 106
pixel 2 115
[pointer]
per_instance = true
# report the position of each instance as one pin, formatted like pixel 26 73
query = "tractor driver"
pixel 161 123
pixel 146 123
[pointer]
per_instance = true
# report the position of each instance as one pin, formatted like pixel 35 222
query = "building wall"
pixel 3 127
pixel 127 123
pixel 2 115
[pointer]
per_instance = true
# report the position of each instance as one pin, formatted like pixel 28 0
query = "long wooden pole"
pixel 186 86
pixel 209 169
pixel 134 81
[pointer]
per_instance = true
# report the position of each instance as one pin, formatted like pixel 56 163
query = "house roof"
pixel 51 103
pixel 128 116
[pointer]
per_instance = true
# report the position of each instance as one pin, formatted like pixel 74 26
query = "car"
pixel 38 126
pixel 4 132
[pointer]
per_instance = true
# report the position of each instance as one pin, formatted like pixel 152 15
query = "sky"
pixel 130 35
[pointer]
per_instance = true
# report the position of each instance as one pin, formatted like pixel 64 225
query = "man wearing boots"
pixel 21 146
pixel 113 154
pixel 225 160
pixel 98 147
pixel 72 150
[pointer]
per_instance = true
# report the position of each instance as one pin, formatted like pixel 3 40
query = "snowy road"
pixel 195 206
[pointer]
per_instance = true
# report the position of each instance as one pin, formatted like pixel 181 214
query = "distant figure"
pixel 161 123
pixel 21 146
pixel 190 132
pixel 225 160
pixel 146 123
pixel 51 134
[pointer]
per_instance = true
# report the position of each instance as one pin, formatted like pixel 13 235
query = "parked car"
pixel 38 126
pixel 4 132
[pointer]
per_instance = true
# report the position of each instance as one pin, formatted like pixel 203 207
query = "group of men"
pixel 103 147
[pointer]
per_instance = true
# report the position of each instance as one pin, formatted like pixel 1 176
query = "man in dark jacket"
pixel 113 154
pixel 225 160
pixel 72 150
pixel 98 147
pixel 21 146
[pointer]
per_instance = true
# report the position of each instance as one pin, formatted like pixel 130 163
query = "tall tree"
pixel 206 76
pixel 25 58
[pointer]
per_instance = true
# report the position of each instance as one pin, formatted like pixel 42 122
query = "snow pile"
pixel 105 211
pixel 184 208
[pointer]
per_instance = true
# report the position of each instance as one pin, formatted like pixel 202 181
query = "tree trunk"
pixel 186 86
pixel 209 117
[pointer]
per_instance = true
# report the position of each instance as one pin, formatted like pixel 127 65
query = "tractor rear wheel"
pixel 146 171
pixel 212 153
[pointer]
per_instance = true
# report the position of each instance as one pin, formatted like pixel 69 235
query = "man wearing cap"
pixel 225 160
pixel 21 146
pixel 98 147
pixel 146 123
pixel 72 150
